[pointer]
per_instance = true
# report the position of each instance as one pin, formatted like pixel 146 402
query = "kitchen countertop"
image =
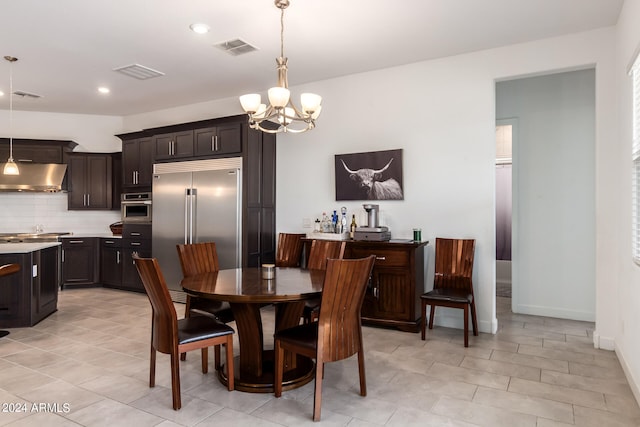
pixel 24 248
pixel 81 235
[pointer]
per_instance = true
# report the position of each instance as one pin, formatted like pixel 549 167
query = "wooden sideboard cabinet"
pixel 392 298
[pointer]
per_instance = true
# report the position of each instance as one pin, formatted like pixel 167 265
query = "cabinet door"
pixel 76 175
pixel 111 262
pixel 130 161
pixel 173 145
pixel 137 163
pixel 78 261
pixel 130 277
pixel 389 296
pixel 183 144
pixel 98 182
pixel 45 290
pixel 145 162
pixel 224 139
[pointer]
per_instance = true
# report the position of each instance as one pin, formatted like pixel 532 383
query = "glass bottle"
pixel 352 229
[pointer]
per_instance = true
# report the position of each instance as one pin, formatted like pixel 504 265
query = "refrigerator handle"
pixel 193 221
pixel 187 198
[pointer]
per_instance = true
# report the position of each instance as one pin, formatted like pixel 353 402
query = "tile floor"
pixel 87 365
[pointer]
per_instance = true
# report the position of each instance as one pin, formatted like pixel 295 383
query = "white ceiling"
pixel 67 48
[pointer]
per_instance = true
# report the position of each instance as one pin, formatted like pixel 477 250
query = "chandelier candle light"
pixel 10 168
pixel 281 110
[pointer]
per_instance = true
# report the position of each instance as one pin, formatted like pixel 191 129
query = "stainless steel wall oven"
pixel 136 207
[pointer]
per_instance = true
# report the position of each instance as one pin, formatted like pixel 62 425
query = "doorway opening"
pixel 504 144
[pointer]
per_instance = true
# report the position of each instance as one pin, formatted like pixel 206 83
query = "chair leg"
pixel 423 321
pixel 175 381
pixel 216 357
pixel 205 359
pixel 317 396
pixel 361 371
pixel 230 368
pixel 152 367
pixel 278 368
pixel 466 325
pixel 474 318
pixel 432 314
pixel 187 313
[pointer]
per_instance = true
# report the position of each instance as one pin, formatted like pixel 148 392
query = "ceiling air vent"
pixel 27 94
pixel 138 71
pixel 236 47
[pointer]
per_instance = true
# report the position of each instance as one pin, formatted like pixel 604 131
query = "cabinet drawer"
pixel 384 257
pixel 111 243
pixel 137 244
pixel 136 231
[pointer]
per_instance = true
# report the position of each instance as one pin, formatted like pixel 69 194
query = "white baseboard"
pixel 559 313
pixel 633 383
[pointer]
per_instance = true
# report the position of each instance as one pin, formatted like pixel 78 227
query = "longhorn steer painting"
pixel 375 175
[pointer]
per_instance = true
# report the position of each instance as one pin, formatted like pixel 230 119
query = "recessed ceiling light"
pixel 103 89
pixel 1 93
pixel 199 28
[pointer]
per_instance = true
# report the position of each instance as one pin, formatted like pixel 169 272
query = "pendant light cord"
pixel 11 110
pixel 282 33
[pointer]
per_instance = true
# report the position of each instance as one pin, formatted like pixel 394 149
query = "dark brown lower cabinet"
pixel 79 261
pixel 30 295
pixel 392 298
pixel 117 269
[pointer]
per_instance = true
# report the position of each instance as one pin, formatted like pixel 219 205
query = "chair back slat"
pixel 339 323
pixel 197 258
pixel 321 250
pixel 165 319
pixel 289 249
pixel 454 264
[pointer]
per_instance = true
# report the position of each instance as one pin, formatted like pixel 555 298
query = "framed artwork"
pixel 376 175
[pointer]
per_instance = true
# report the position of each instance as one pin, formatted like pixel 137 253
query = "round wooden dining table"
pixel 247 292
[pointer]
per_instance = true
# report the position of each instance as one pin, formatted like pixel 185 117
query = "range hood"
pixel 34 177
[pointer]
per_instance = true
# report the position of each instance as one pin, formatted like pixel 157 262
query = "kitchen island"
pixel 30 295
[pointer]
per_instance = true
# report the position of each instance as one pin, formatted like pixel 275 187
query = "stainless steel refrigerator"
pixel 196 201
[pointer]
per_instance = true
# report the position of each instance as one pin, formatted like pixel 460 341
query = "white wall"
pixel 21 212
pixel 618 277
pixel 441 113
pixel 554 192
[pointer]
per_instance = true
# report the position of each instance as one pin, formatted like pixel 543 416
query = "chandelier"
pixel 281 113
pixel 10 168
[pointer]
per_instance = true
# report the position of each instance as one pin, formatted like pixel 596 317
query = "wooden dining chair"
pixel 320 251
pixel 289 249
pixel 6 270
pixel 197 258
pixel 337 334
pixel 452 283
pixel 172 336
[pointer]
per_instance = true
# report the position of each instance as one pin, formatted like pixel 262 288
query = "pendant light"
pixel 11 168
pixel 281 111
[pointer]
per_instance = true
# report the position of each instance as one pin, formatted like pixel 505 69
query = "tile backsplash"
pixel 23 212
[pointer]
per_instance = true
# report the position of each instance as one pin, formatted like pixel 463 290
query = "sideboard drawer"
pixel 384 257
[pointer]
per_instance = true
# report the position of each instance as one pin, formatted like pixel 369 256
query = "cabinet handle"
pixel 117 257
pixel 63 255
pixel 135 243
pixel 88 199
pixel 73 242
pixel 216 145
pixel 381 258
pixel 109 242
pixel 213 143
pixel 134 233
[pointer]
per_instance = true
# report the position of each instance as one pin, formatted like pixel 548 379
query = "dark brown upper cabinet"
pixel 175 145
pixel 218 140
pixel 137 164
pixel 90 182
